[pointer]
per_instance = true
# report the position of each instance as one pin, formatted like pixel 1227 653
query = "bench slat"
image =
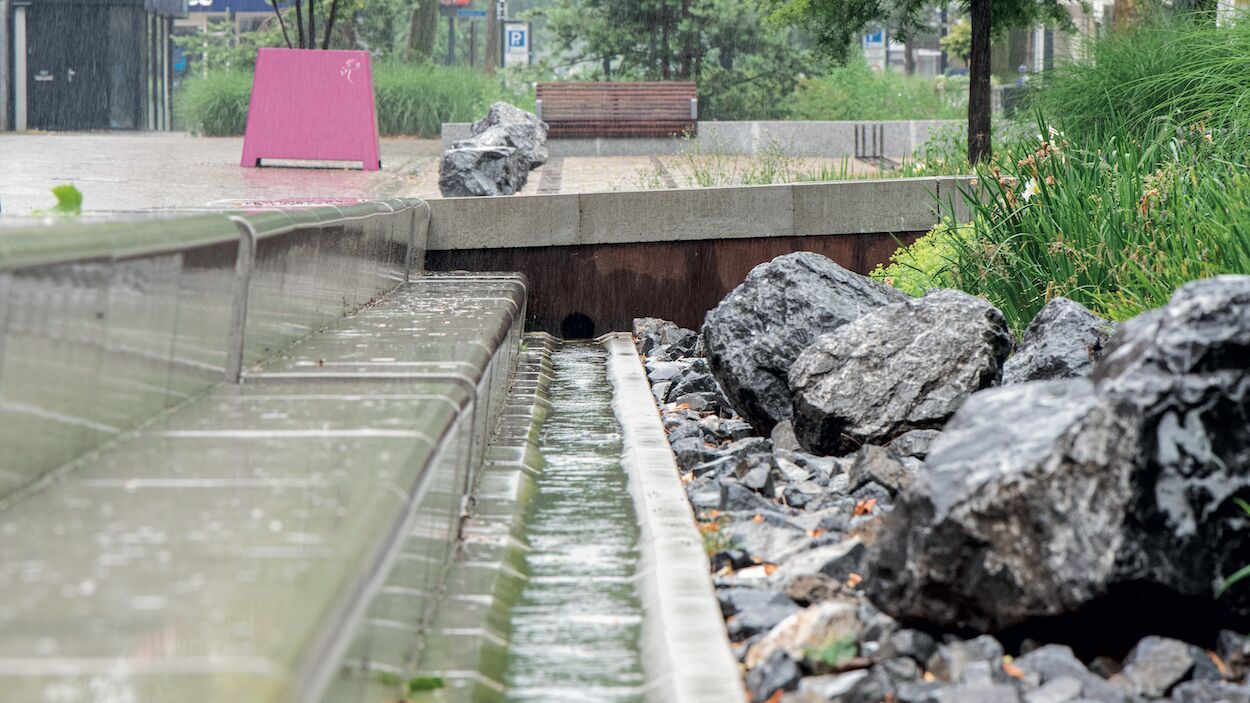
pixel 628 109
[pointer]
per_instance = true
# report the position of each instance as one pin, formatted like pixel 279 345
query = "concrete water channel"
pixel 576 626
pixel 266 455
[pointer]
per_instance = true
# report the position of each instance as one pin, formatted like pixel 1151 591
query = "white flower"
pixel 1030 189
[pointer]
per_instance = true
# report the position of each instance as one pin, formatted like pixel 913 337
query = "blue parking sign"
pixel 516 38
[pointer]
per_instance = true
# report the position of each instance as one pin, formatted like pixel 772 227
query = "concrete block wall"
pixel 830 139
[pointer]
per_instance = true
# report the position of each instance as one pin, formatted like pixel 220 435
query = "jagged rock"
pixel 919 692
pixel 1059 690
pixel 1234 649
pixel 878 465
pixel 1177 381
pixel 1157 664
pixel 1055 661
pixel 750 611
pixel 735 497
pixel 837 561
pixel 874 687
pixel 755 334
pixel 755 471
pixel 1063 341
pixel 526 132
pixel 979 693
pixel 485 170
pixel 808 629
pixel 986 490
pixel 777 673
pixel 696 378
pixel 902 367
pixel 806 589
pixel 915 443
pixel 951 659
pixel 917 645
pixel 1150 461
pixel 830 686
pixel 770 540
pixel 1211 692
pixel 690 452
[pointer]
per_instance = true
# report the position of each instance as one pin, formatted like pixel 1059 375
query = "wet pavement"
pixel 135 171
pixel 161 170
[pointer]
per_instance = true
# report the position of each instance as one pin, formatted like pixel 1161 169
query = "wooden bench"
pixel 643 109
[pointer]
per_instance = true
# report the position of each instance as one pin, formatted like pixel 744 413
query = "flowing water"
pixel 575 629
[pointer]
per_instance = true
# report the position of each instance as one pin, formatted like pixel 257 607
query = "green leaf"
pixel 68 200
pixel 425 683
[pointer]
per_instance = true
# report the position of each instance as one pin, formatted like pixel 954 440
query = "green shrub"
pixel 1116 225
pixel 925 264
pixel 1180 69
pixel 215 105
pixel 856 92
pixel 411 100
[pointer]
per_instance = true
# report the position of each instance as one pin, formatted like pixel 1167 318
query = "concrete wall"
pixel 736 212
pixel 596 261
pixel 797 138
pixel 103 326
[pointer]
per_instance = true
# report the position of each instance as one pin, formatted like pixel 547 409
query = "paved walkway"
pixel 133 171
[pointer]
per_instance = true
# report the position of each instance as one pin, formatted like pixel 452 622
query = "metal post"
pixel 451 40
pixel 472 43
pixel 4 65
pixel 19 68
pixel 243 265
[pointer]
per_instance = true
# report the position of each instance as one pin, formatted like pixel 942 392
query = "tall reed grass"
pixel 1164 70
pixel 411 100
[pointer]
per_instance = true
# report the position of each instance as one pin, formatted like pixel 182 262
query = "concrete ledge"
pixel 791 137
pixel 467 643
pixel 890 205
pixel 685 648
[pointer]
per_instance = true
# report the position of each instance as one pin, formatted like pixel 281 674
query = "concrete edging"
pixel 685 648
pixel 683 214
pixel 824 138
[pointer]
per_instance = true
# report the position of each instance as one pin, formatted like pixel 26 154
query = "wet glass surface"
pixel 576 627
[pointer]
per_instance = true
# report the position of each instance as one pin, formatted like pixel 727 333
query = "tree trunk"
pixel 979 99
pixel 491 54
pixel 422 29
pixel 909 57
pixel 666 69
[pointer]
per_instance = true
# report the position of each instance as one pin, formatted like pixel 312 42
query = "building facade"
pixel 87 64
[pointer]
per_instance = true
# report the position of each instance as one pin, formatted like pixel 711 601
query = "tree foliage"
pixel 837 24
pixel 744 65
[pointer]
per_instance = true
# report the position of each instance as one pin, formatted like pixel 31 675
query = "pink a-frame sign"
pixel 312 105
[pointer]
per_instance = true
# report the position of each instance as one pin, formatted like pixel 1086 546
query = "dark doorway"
pixel 67 50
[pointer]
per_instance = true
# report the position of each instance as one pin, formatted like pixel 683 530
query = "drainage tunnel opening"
pixel 577 326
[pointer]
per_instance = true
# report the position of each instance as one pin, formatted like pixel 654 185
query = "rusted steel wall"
pixel 588 290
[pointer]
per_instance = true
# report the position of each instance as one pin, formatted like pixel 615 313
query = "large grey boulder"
pixel 1063 341
pixel 522 136
pixel 900 368
pixel 474 171
pixel 1040 497
pixel 497 159
pixel 753 336
pixel 502 113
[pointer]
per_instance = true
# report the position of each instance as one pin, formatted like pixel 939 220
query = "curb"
pixel 685 647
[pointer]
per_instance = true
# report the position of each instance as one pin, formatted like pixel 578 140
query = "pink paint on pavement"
pixel 312 105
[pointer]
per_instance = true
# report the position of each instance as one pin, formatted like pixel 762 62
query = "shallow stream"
pixel 575 629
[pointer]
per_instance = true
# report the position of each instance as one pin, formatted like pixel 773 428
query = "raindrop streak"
pixel 576 627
